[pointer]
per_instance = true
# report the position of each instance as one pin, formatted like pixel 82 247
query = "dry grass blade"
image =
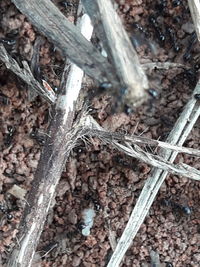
pixel 177 136
pixel 134 139
pixel 136 152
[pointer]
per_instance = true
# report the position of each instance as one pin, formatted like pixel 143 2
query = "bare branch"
pixel 61 139
pixel 118 46
pixel 44 15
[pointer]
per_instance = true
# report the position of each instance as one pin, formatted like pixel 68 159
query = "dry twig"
pixel 162 65
pixel 61 139
pixel 118 46
pixel 44 15
pixel 26 75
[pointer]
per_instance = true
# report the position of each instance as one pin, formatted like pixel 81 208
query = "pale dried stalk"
pixel 194 6
pixel 162 65
pixel 26 75
pixel 61 139
pixel 177 136
pixel 136 152
pixel 134 139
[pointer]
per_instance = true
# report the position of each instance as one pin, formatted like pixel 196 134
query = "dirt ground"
pixel 98 177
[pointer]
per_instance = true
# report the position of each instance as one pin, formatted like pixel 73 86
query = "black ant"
pixel 80 225
pixel 4 100
pixel 9 136
pixel 176 3
pixel 119 160
pixel 177 19
pixel 139 28
pixel 186 210
pixel 5 211
pixel 12 34
pixel 193 39
pixel 105 85
pixel 153 93
pixel 8 41
pixel 78 150
pixel 189 75
pixel 65 4
pixel 192 76
pixel 161 7
pixel 127 109
pixel 126 163
pixel 197 96
pixel 172 37
pixel 39 137
pixel 157 29
pixel 90 197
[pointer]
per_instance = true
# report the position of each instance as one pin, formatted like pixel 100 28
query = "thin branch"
pixel 61 138
pixel 47 18
pixel 118 46
pixel 162 65
pixel 26 75
pixel 177 136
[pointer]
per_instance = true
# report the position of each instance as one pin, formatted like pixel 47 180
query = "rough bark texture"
pixel 117 43
pixel 49 170
pixel 61 138
pixel 44 15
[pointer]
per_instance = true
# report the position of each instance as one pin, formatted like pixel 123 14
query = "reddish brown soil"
pixel 97 175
